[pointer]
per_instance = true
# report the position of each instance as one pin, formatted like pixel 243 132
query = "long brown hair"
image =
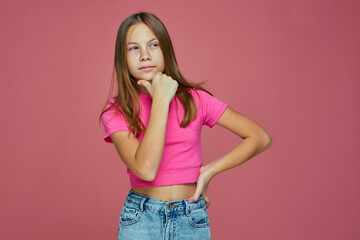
pixel 127 101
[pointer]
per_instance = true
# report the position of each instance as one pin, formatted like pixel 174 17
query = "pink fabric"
pixel 181 160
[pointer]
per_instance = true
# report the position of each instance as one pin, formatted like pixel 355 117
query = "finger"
pixel 207 200
pixel 197 194
pixel 146 84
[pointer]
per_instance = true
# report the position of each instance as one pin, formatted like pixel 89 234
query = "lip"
pixel 146 67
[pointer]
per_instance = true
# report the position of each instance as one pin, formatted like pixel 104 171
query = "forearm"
pixel 150 150
pixel 248 148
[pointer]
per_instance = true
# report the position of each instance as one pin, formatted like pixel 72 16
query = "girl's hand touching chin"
pixel 162 87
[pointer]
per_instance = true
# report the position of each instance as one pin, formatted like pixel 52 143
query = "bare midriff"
pixel 168 193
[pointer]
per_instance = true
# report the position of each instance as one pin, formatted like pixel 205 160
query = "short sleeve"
pixel 113 121
pixel 212 108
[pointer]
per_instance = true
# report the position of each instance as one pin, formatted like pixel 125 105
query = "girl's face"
pixel 143 49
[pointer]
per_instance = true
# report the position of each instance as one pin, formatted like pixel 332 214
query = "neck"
pixel 142 89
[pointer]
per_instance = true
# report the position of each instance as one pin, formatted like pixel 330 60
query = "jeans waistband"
pixel 144 201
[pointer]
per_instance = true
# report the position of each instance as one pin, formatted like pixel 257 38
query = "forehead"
pixel 139 33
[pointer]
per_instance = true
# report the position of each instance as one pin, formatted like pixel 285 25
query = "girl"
pixel 155 123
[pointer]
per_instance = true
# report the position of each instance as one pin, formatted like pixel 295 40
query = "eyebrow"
pixel 136 42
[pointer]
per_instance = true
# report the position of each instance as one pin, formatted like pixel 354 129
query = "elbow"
pixel 145 178
pixel 144 175
pixel 267 142
pixel 269 145
pixel 146 166
pixel 151 173
pixel 264 141
pixel 147 174
pixel 143 171
pixel 151 178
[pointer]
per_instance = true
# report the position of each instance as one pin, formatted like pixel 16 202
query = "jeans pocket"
pixel 130 214
pixel 199 217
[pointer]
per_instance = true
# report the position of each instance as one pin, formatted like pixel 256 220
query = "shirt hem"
pixel 171 177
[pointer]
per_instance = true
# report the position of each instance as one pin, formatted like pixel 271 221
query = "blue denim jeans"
pixel 146 218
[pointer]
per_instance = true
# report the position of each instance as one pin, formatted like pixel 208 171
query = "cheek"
pixel 162 57
pixel 159 57
pixel 131 61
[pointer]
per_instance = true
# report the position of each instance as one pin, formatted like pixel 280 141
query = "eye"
pixel 156 44
pixel 132 48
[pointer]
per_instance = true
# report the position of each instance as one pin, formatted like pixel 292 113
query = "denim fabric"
pixel 146 218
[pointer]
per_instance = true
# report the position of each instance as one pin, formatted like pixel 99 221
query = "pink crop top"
pixel 181 160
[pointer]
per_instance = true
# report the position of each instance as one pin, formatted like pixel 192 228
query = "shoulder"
pixel 113 106
pixel 198 92
pixel 112 109
pixel 200 95
pixel 110 102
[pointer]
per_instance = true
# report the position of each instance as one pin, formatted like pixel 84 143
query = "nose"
pixel 145 55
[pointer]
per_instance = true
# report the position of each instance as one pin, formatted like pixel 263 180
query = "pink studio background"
pixel 292 66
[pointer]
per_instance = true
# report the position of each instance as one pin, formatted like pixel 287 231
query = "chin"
pixel 147 77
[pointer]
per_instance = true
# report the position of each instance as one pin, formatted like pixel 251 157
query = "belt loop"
pixel 187 207
pixel 142 203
